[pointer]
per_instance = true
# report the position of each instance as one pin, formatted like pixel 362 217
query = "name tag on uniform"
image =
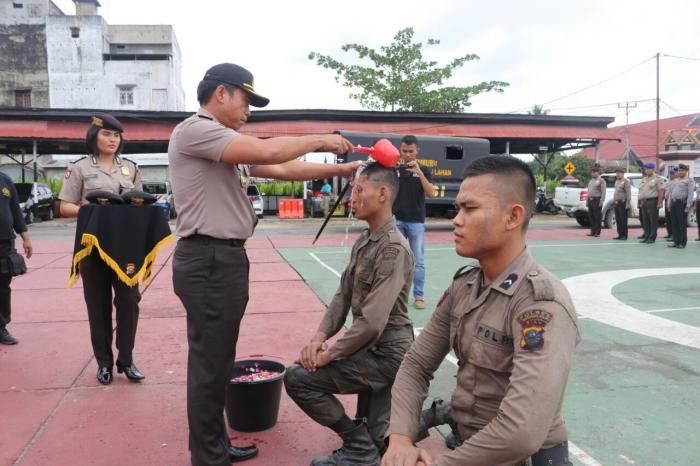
pixel 125 171
pixel 89 176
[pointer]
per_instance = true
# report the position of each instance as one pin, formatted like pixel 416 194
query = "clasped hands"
pixel 314 355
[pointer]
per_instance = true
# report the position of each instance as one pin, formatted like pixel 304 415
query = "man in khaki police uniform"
pixel 672 174
pixel 622 198
pixel 596 198
pixel 375 284
pixel 649 200
pixel 681 197
pixel 512 326
pixel 210 165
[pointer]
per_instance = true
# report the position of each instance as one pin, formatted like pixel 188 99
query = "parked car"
pixel 255 199
pixel 164 196
pixel 35 200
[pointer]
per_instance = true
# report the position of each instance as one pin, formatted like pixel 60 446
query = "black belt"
pixel 680 199
pixel 594 198
pixel 206 239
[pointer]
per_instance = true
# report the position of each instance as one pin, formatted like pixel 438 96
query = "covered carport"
pixel 26 134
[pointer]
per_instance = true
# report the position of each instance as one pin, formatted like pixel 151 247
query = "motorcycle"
pixel 545 204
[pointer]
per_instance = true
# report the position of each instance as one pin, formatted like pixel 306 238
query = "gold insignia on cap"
pixel 249 87
pixel 125 171
pixel 5 192
pixel 97 121
pixel 137 201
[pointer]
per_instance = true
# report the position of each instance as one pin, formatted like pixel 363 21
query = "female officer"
pixel 105 170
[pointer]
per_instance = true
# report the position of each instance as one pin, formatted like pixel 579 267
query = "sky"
pixel 545 49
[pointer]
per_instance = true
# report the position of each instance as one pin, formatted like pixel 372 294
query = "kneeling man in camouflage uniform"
pixel 512 326
pixel 365 359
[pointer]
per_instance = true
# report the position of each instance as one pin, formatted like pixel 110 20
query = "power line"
pixel 610 104
pixel 592 85
pixel 681 58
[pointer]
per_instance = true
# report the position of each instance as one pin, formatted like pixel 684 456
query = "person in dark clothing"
pixel 415 182
pixel 11 221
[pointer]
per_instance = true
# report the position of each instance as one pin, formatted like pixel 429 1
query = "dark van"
pixel 446 158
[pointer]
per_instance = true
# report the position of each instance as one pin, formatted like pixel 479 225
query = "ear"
pixel 384 194
pixel 219 93
pixel 516 217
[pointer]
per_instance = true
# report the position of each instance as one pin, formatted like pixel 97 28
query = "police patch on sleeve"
pixel 389 255
pixel 533 323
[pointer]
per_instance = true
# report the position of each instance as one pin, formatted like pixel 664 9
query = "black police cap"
pixel 103 198
pixel 682 166
pixel 138 198
pixel 106 121
pixel 236 75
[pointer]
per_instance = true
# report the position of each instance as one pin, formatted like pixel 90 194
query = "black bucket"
pixel 252 406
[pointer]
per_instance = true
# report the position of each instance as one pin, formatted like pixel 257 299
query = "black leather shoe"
pixel 672 245
pixel 697 239
pixel 668 237
pixel 649 241
pixel 590 234
pixel 104 375
pixel 640 237
pixel 6 337
pixel 130 371
pixel 236 454
pixel 668 240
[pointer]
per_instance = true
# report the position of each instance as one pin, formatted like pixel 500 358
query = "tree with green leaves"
pixel 401 80
pixel 538 110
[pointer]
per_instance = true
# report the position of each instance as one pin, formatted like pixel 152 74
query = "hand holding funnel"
pixel 383 152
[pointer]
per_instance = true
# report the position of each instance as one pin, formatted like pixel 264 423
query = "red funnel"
pixel 382 152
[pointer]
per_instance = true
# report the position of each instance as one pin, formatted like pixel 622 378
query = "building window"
pixel 126 95
pixel 75 32
pixel 23 98
pixel 17 4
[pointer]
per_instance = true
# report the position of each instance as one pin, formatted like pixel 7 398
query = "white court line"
pixel 653 311
pixel 578 245
pixel 592 294
pixel 580 455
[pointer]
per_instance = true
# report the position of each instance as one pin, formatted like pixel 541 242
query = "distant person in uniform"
pixel 415 183
pixel 672 174
pixel 697 210
pixel 681 196
pixel 649 201
pixel 11 222
pixel 513 328
pixel 596 198
pixel 210 168
pixel 622 199
pixel 375 285
pixel 104 169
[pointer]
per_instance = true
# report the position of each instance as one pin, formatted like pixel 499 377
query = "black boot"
pixel 439 413
pixel 6 337
pixel 358 449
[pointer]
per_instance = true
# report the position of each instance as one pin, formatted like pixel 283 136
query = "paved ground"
pixel 632 397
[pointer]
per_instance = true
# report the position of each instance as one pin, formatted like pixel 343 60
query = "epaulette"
pixel 464 270
pixel 81 158
pixel 395 237
pixel 124 158
pixel 541 286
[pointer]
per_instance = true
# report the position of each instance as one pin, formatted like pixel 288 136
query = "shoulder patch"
pixel 395 237
pixel 532 325
pixel 541 286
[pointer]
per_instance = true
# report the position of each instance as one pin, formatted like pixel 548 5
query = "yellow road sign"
pixel 569 168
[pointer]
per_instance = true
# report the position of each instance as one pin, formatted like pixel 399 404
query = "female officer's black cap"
pixel 235 75
pixel 107 121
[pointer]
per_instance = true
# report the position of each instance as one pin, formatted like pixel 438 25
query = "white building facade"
pixel 51 59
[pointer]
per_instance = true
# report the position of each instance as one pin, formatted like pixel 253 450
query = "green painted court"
pixel 633 396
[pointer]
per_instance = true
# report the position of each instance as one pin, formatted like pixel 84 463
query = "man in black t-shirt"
pixel 11 221
pixel 415 182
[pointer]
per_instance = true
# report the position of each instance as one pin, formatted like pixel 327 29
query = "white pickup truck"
pixel 572 200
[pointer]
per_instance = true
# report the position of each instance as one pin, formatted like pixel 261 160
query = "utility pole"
pixel 657 109
pixel 627 106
